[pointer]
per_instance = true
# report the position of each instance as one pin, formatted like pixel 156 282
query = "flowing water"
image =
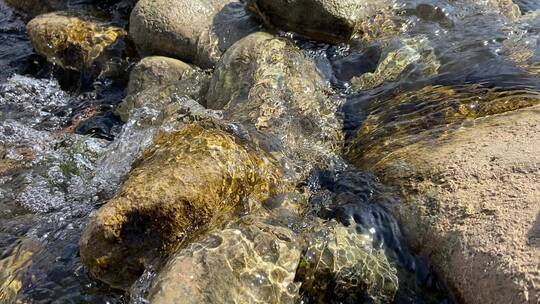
pixel 63 154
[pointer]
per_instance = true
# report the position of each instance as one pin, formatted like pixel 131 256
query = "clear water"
pixel 52 178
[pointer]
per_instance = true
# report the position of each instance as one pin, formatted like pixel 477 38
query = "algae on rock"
pixel 71 41
pixel 269 86
pixel 186 181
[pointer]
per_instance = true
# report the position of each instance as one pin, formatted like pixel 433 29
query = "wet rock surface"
pixel 230 184
pixel 161 205
pixel 184 95
pixel 71 41
pixel 269 85
pixel 156 71
pixel 462 189
pixel 248 262
pixel 34 8
pixel 329 21
pixel 196 32
pixel 341 265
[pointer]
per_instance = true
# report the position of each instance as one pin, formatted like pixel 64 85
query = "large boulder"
pixel 324 20
pixel 465 161
pixel 268 85
pixel 195 31
pixel 186 182
pixel 71 41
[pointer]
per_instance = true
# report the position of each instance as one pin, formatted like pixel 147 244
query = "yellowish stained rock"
pixel 185 183
pixel 11 268
pixel 72 42
pixel 432 111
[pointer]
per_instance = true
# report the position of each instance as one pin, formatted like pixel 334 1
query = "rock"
pixel 197 32
pixel 114 8
pixel 12 266
pixel 411 59
pixel 268 85
pixel 168 97
pixel 328 20
pixel 186 182
pixel 341 264
pixel 37 7
pixel 250 262
pixel 406 118
pixel 265 257
pixel 156 71
pixel 73 42
pixel 464 160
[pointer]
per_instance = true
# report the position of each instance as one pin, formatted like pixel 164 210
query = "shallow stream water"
pixel 63 153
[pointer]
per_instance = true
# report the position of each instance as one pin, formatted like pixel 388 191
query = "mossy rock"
pixel 186 182
pixel 72 41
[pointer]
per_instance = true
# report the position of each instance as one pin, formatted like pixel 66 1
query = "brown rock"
pixel 469 173
pixel 268 85
pixel 73 42
pixel 185 183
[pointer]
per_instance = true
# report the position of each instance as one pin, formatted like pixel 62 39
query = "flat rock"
pixel 469 173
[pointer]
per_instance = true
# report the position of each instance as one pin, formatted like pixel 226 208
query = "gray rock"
pixel 155 71
pixel 195 31
pixel 171 97
pixel 325 20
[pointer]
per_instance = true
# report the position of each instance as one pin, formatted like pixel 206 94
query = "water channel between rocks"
pixel 64 152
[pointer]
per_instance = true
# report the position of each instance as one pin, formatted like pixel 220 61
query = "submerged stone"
pixel 186 182
pixel 276 255
pixel 195 31
pixel 12 266
pixel 71 41
pixel 268 85
pixel 430 112
pixel 339 263
pixel 155 71
pixel 411 58
pixel 464 160
pixel 249 262
pixel 175 99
